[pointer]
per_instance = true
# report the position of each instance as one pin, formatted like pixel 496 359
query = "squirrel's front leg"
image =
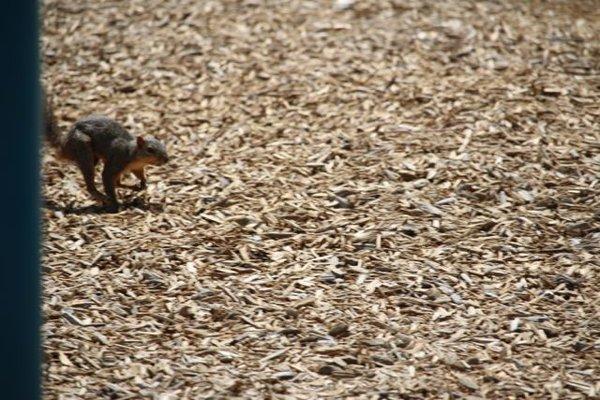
pixel 110 176
pixel 119 184
pixel 139 173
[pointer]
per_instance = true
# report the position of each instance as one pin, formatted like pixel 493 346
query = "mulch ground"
pixel 369 200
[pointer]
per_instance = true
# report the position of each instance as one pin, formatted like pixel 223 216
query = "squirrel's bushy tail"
pixel 51 132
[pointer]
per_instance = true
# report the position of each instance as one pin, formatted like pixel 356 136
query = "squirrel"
pixel 94 138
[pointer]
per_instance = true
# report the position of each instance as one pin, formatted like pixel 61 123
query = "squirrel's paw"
pixel 112 207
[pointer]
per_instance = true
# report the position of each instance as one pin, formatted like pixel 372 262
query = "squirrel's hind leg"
pixel 78 148
pixel 110 179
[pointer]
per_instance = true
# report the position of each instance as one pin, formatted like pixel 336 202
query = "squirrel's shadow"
pixel 98 209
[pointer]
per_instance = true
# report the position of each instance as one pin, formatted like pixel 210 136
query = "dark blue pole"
pixel 20 128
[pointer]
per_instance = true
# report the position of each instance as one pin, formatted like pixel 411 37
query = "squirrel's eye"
pixel 151 150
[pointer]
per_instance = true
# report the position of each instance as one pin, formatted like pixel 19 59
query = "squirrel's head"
pixel 153 151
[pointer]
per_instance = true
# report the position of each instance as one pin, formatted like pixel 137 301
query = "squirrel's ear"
pixel 141 142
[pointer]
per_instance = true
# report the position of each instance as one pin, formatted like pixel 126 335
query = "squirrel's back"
pixel 102 128
pixel 104 134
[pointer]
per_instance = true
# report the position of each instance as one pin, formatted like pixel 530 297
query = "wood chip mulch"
pixel 369 200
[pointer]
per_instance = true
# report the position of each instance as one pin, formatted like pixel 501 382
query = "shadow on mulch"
pixel 98 209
